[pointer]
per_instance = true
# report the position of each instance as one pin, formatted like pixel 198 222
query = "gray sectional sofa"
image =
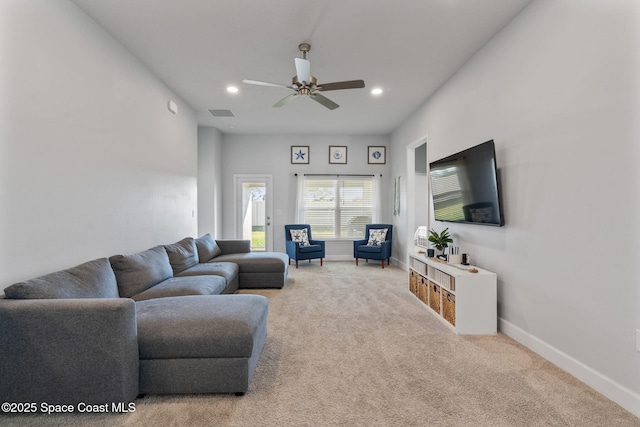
pixel 155 322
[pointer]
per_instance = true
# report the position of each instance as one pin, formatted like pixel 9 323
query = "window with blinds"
pixel 338 208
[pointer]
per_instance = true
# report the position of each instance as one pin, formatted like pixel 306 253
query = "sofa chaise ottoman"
pixel 255 269
pixel 200 344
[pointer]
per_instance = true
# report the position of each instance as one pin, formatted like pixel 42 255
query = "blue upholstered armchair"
pixel 300 244
pixel 376 245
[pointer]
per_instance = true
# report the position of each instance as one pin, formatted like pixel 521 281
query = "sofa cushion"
pixel 140 271
pixel 310 248
pixel 181 286
pixel 257 262
pixel 207 248
pixel 93 279
pixel 370 249
pixel 200 326
pixel 228 270
pixel 182 254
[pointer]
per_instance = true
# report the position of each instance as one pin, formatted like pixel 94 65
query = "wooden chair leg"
pixel 382 263
pixel 356 262
pixel 320 262
pixel 296 263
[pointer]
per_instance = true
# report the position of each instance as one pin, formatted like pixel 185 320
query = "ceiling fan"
pixel 303 83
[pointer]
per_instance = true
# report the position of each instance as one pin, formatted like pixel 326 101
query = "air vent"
pixel 221 113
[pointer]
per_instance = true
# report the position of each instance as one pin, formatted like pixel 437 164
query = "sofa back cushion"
pixel 182 254
pixel 93 279
pixel 207 248
pixel 138 272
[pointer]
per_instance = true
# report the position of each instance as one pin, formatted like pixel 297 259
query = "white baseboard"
pixel 611 389
pixel 394 261
pixel 341 258
pixel 397 263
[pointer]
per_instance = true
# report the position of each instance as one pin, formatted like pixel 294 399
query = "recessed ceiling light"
pixel 376 91
pixel 232 89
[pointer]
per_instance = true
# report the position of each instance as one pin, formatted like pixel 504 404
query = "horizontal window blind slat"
pixel 338 208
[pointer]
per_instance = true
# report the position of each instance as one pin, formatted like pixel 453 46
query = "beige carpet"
pixel 351 346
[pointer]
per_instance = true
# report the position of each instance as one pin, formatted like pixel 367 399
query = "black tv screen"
pixel 465 187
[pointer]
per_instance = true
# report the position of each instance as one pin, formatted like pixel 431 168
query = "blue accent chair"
pixel 296 251
pixel 381 253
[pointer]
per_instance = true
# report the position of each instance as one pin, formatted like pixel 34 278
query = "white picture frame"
pixel 338 154
pixel 300 154
pixel 377 155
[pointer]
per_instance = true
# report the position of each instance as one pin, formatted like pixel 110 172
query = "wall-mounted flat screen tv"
pixel 465 187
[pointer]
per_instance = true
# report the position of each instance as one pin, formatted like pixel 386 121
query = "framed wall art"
pixel 300 154
pixel 377 155
pixel 338 154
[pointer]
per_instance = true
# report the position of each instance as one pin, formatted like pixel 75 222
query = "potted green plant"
pixel 440 241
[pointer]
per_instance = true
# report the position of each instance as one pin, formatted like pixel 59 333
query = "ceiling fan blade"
pixel 324 101
pixel 303 70
pixel 350 84
pixel 257 82
pixel 285 100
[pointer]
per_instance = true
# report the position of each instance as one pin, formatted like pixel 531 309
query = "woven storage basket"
pixel 413 283
pixel 434 297
pixel 423 287
pixel 449 307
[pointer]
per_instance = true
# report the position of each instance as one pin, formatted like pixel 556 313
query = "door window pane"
pixel 253 214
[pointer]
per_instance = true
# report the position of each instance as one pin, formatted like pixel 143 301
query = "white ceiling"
pixel 406 47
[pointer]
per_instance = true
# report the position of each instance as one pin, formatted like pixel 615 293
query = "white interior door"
pixel 253 210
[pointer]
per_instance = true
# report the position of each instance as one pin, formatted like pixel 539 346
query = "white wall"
pixel 558 90
pixel 91 161
pixel 271 154
pixel 209 181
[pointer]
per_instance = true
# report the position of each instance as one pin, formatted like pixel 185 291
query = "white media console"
pixel 465 300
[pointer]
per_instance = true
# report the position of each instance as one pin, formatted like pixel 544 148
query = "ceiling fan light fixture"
pixel 303 83
pixel 232 89
pixel 376 91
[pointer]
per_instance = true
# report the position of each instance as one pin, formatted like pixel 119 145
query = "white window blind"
pixel 337 207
